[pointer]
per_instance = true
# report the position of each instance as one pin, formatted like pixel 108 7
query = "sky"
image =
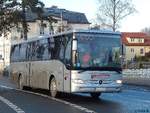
pixel 133 23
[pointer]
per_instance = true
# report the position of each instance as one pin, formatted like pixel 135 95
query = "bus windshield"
pixel 98 51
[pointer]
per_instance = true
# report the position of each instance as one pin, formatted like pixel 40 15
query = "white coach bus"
pixel 84 61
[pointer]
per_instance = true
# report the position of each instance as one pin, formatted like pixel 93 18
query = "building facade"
pixel 54 20
pixel 135 44
pixel 5 44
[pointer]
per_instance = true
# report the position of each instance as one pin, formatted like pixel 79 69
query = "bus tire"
pixel 95 95
pixel 20 82
pixel 53 87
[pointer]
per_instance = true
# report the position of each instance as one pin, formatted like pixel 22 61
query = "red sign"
pixel 86 58
pixel 100 76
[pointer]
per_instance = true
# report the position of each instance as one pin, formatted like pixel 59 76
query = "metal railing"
pixel 137 73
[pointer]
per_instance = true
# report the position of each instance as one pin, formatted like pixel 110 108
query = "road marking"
pixel 55 99
pixel 6 87
pixel 11 105
pixel 62 101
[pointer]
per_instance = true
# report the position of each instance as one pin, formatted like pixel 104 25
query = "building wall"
pixel 147 49
pixel 132 51
pixel 5 44
pixel 34 28
pixel 79 26
pixel 34 31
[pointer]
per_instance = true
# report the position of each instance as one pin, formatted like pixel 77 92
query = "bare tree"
pixel 111 12
pixel 13 12
pixel 146 30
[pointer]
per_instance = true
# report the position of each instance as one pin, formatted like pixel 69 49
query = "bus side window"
pixel 28 52
pixel 39 51
pixel 15 53
pixel 46 54
pixel 56 50
pixel 12 53
pixel 51 46
pixel 61 54
pixel 34 50
pixel 23 52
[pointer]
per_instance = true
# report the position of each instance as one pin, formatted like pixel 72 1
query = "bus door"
pixel 28 65
pixel 67 71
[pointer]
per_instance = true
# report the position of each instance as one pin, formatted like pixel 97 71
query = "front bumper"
pixel 96 88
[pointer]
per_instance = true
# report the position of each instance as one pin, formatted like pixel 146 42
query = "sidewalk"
pixel 5 81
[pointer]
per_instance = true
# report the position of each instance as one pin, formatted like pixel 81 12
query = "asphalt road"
pixel 132 99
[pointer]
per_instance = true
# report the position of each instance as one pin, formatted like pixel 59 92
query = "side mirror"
pixel 74 45
pixel 68 66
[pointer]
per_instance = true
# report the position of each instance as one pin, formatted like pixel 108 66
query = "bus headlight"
pixel 119 81
pixel 78 81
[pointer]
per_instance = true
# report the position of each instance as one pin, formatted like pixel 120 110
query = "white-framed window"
pixel 132 50
pixel 41 30
pixel 140 40
pixel 141 51
pixel 42 27
pixel 132 40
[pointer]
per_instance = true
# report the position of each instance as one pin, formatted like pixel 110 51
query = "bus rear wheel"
pixel 95 95
pixel 53 87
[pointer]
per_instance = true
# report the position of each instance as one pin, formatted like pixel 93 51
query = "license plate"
pixel 99 76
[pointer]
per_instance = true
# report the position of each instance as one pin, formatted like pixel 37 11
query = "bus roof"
pixel 89 31
pixel 68 32
pixel 98 31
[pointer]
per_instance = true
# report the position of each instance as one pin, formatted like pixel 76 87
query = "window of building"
pixel 132 50
pixel 140 40
pixel 142 51
pixel 132 40
pixel 42 27
pixel 41 30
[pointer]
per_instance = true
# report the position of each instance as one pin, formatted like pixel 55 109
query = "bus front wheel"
pixel 53 87
pixel 95 95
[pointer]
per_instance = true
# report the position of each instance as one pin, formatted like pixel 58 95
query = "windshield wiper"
pixel 118 71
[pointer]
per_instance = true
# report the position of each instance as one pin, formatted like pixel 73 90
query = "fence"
pixel 137 76
pixel 136 73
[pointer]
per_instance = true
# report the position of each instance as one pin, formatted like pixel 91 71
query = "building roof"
pixel 69 16
pixel 136 35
